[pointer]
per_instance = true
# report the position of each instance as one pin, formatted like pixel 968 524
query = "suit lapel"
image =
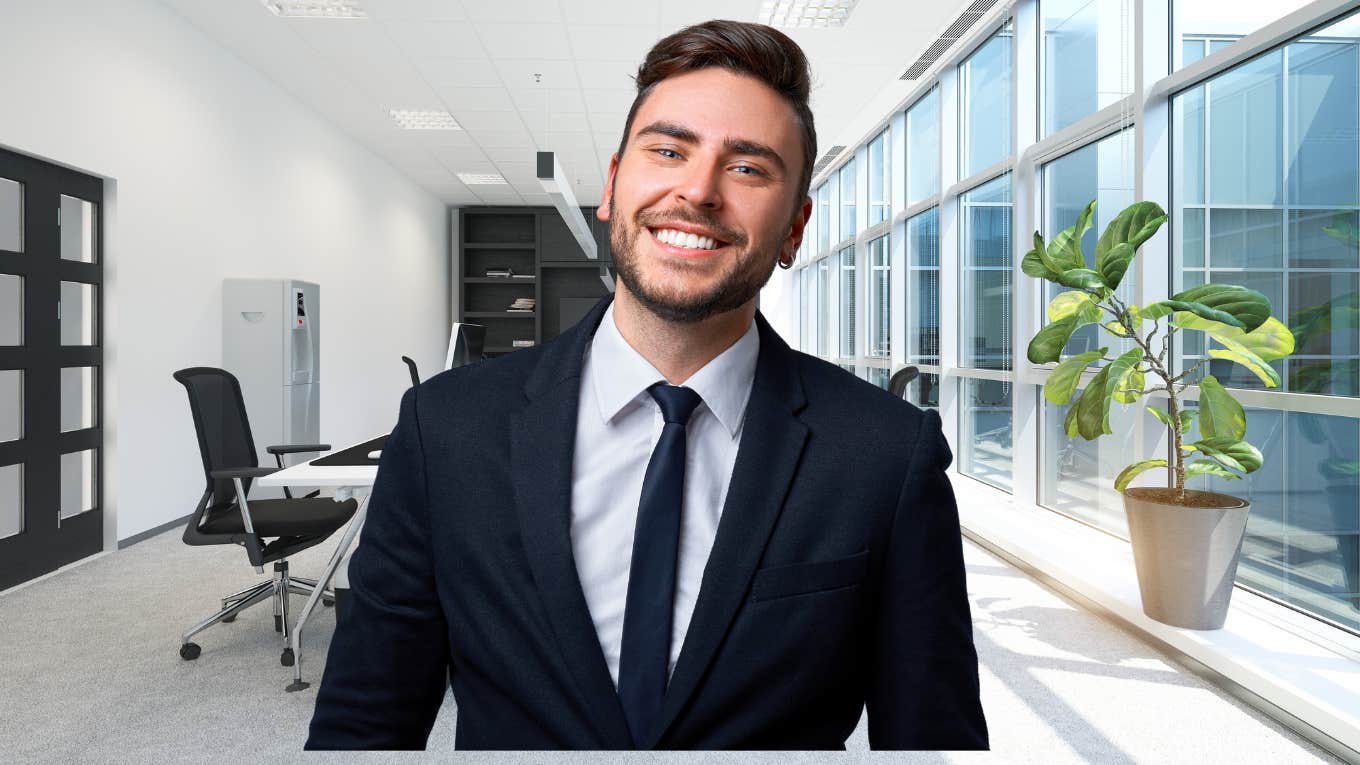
pixel 771 444
pixel 543 436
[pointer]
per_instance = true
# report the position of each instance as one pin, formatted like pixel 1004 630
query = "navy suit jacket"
pixel 836 578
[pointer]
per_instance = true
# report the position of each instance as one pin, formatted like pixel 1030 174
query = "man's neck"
pixel 678 350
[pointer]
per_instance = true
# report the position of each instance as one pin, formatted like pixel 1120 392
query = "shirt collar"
pixel 621 374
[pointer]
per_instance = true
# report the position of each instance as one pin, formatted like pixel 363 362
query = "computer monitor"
pixel 465 344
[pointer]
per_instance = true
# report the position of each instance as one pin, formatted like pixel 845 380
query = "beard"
pixel 750 268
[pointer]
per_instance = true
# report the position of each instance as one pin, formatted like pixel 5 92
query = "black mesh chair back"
pixel 411 367
pixel 224 438
pixel 903 377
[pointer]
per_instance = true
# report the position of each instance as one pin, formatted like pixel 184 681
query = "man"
pixel 666 529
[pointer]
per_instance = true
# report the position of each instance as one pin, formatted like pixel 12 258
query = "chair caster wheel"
pixel 278 623
pixel 189 651
pixel 328 601
pixel 228 619
pixel 287 658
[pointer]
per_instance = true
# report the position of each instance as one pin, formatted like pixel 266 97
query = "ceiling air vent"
pixel 827 158
pixel 945 41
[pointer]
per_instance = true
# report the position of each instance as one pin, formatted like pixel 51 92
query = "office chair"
pixel 466 342
pixel 897 384
pixel 411 367
pixel 225 516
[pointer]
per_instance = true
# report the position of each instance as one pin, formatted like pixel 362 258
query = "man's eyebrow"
pixel 732 145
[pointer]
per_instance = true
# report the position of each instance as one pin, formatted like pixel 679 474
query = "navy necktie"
pixel 646 650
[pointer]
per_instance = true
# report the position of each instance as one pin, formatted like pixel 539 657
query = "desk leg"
pixel 355 524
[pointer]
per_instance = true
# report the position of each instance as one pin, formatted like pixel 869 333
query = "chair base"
pixel 276 590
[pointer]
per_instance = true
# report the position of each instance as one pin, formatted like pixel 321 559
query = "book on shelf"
pixel 521 276
pixel 521 343
pixel 502 271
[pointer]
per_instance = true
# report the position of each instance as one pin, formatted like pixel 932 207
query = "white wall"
pixel 215 172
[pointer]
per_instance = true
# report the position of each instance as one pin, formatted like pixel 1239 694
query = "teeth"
pixel 688 241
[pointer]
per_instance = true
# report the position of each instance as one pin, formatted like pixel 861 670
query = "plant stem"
pixel 1155 362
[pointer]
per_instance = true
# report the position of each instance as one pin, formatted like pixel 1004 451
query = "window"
pixel 823 305
pixel 823 202
pixel 923 288
pixel 1269 164
pixel 880 177
pixel 1102 171
pixel 805 315
pixel 847 261
pixel 880 292
pixel 1088 57
pixel 985 400
pixel 847 176
pixel 985 80
pixel 1207 26
pixel 923 148
pixel 986 278
pixel 1266 160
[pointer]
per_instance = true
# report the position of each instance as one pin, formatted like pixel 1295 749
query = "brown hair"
pixel 755 50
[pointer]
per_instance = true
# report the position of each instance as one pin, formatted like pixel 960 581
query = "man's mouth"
pixel 686 240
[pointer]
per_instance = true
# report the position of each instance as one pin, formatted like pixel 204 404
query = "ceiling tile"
pixel 511 154
pixel 436 39
pixel 542 11
pixel 608 75
pixel 612 42
pixel 564 141
pixel 475 121
pixel 456 156
pixel 475 99
pixel 459 73
pixel 609 12
pixel 524 40
pixel 539 122
pixel 548 99
pixel 384 10
pixel 613 100
pixel 609 124
pixel 516 138
pixel 519 172
pixel 675 16
pixel 518 74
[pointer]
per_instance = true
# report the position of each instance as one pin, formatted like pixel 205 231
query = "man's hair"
pixel 754 50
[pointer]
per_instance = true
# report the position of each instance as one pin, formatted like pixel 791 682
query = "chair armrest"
pixel 243 472
pixel 296 448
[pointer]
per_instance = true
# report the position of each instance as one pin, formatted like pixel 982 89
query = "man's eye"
pixel 668 153
pixel 748 170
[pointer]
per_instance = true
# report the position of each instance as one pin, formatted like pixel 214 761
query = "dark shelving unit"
pixel 527 240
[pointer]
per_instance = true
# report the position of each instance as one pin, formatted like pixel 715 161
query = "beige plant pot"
pixel 1186 557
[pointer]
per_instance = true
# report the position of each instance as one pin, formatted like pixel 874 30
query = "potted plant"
pixel 1186 542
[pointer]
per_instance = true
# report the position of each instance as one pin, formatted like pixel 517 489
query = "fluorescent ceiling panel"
pixel 481 179
pixel 316 9
pixel 425 119
pixel 804 14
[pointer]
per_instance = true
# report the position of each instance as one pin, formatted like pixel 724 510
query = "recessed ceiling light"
pixel 425 119
pixel 316 9
pixel 481 179
pixel 805 14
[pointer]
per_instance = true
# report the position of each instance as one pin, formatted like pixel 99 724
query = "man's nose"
pixel 700 187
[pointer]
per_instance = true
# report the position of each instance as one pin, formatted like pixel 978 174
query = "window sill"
pixel 1296 669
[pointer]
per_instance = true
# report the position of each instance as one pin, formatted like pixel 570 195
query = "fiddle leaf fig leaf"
pixel 1064 251
pixel 1268 342
pixel 1121 239
pixel 1159 414
pixel 1081 278
pixel 1249 308
pixel 1209 467
pixel 1062 381
pixel 1251 361
pixel 1238 455
pixel 1048 344
pixel 1220 416
pixel 1126 476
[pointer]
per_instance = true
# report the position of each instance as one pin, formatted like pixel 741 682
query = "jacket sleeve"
pixel 923 683
pixel 389 660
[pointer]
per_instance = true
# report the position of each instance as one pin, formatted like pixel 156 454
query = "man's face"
pixel 702 202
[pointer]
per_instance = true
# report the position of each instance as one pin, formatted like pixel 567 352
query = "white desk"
pixel 348 481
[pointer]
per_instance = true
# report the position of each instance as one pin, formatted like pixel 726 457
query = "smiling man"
pixel 665 528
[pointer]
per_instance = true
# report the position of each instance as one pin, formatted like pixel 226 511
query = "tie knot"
pixel 677 403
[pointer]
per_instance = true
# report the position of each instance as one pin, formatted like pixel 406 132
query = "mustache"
pixel 651 219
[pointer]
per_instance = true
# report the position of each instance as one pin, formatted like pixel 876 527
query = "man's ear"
pixel 602 212
pixel 789 250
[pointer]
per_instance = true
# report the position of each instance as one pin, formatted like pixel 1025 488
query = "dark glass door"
pixel 51 364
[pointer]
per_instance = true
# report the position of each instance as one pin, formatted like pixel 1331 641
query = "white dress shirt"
pixel 617 425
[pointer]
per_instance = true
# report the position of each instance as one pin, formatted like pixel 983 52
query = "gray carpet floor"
pixel 91 673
